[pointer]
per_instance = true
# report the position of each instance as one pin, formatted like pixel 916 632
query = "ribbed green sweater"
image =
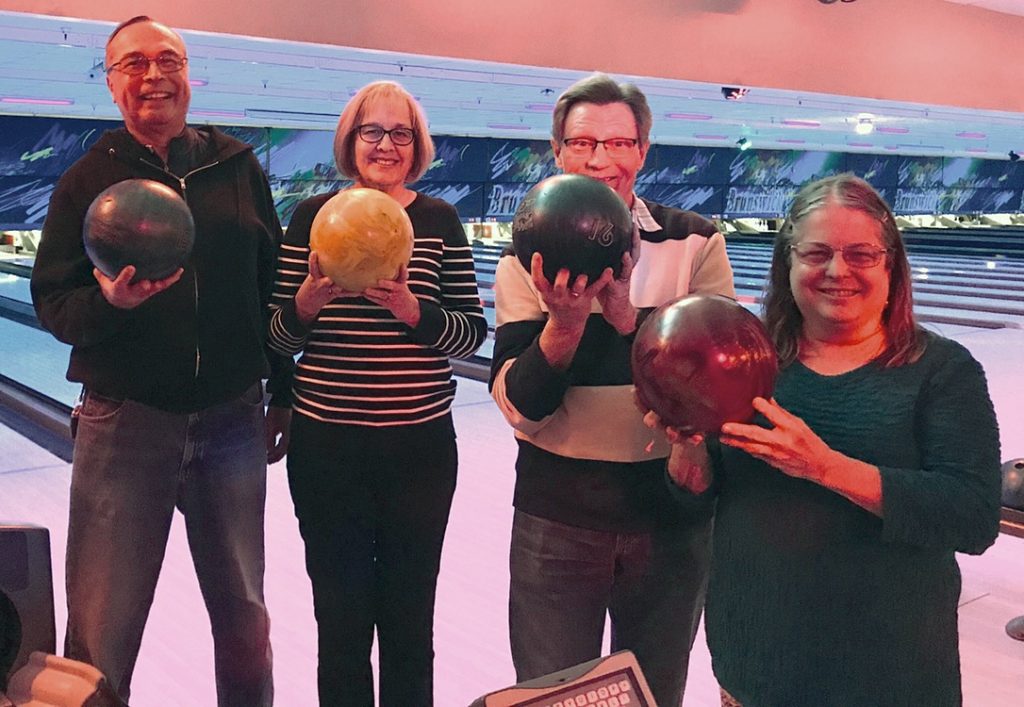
pixel 814 600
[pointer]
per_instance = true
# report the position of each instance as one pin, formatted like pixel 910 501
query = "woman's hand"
pixel 395 296
pixel 314 292
pixel 789 445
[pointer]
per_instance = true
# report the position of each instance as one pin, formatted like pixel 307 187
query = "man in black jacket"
pixel 173 408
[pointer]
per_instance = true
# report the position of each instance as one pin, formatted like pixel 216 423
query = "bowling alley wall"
pixel 485 178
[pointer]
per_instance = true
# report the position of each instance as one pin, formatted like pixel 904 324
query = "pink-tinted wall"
pixel 927 51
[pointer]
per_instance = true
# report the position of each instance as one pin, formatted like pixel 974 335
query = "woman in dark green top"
pixel 833 579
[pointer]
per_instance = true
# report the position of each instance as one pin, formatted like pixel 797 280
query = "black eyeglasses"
pixel 856 255
pixel 614 146
pixel 138 64
pixel 374 133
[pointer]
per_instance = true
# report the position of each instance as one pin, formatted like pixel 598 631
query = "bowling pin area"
pixel 967 287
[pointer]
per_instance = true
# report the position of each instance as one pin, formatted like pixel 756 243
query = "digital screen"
pixel 520 160
pixel 972 172
pixel 759 201
pixel 782 168
pixel 503 199
pixel 458 159
pixel 24 201
pixel 919 172
pixel 878 170
pixel 616 689
pixel 705 199
pixel 302 155
pixel 679 164
pixel 466 197
pixel 46 147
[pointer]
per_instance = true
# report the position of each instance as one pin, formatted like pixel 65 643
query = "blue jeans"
pixel 132 466
pixel 564 579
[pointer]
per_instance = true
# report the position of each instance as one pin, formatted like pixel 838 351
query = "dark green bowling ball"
pixel 138 222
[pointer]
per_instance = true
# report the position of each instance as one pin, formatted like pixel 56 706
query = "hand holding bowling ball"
pixel 688 463
pixel 361 236
pixel 315 292
pixel 127 292
pixel 141 223
pixel 699 362
pixel 576 223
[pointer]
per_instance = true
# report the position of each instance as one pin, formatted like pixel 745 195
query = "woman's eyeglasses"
pixel 375 133
pixel 856 255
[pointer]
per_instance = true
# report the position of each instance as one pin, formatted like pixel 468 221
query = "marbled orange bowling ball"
pixel 361 236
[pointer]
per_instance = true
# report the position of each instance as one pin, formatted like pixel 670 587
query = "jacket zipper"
pixel 195 274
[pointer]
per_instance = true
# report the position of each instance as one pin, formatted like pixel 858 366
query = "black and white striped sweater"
pixel 360 365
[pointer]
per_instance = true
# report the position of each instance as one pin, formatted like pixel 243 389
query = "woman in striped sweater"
pixel 372 457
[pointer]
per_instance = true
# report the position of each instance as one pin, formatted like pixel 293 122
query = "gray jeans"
pixel 132 466
pixel 565 580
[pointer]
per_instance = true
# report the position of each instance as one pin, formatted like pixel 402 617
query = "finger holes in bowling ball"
pixel 1013 484
pixel 138 222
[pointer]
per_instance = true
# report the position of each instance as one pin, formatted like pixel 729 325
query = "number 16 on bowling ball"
pixel 699 362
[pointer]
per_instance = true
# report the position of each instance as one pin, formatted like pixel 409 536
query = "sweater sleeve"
pixel 66 296
pixel 712 273
pixel 952 501
pixel 456 326
pixel 287 335
pixel 525 387
pixel 279 384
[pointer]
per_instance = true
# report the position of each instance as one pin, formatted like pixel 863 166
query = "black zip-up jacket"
pixel 200 342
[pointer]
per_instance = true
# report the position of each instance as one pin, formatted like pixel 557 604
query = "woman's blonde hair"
pixel 352 117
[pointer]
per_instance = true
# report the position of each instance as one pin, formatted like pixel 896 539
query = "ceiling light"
pixel 273 114
pixel 892 130
pixel 743 143
pixel 688 116
pixel 38 101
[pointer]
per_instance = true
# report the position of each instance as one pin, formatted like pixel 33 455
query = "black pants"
pixel 373 505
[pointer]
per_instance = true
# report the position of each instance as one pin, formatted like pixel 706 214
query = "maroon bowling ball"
pixel 699 362
pixel 138 222
pixel 574 222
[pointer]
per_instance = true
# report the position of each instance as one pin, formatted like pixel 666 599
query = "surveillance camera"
pixel 732 93
pixel 1013 156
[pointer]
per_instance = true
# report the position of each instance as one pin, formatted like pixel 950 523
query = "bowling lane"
pixel 15 287
pixel 35 359
pixel 957 289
